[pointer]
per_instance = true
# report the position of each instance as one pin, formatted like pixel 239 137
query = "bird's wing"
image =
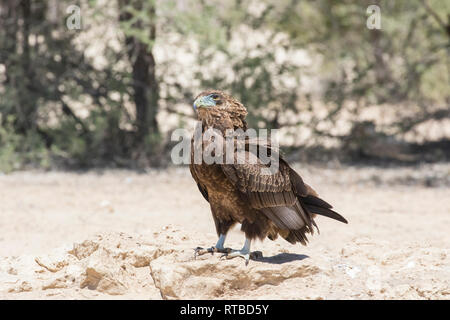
pixel 273 194
pixel 250 175
pixel 282 196
pixel 200 185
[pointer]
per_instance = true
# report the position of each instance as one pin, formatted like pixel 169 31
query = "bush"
pixel 18 151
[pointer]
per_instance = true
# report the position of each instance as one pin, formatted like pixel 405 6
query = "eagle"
pixel 266 205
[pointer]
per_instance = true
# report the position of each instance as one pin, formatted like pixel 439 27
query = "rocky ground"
pixel 123 235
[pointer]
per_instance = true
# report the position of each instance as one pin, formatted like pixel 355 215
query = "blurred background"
pixel 108 91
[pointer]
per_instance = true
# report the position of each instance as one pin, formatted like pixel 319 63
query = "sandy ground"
pixel 120 234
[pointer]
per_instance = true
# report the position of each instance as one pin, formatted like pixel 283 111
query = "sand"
pixel 124 235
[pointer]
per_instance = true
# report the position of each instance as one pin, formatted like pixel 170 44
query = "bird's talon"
pixel 199 251
pixel 238 253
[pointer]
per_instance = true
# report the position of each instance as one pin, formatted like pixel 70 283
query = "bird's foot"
pixel 201 251
pixel 245 254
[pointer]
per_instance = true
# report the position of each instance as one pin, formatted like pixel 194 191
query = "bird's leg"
pixel 243 253
pixel 217 248
pixel 220 242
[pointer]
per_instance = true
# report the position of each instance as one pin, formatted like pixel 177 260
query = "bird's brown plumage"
pixel 266 205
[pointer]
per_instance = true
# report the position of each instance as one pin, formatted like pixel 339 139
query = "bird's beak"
pixel 198 103
pixel 202 102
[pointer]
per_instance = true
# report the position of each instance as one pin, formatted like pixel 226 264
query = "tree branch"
pixel 445 26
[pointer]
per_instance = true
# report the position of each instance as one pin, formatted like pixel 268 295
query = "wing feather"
pixel 200 186
pixel 272 194
pixel 282 197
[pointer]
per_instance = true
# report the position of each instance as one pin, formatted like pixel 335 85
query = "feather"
pixel 284 217
pixel 316 201
pixel 326 212
pixel 203 191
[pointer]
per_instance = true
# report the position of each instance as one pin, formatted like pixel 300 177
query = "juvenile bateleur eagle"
pixel 266 205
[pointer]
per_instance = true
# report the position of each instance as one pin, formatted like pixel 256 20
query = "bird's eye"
pixel 215 96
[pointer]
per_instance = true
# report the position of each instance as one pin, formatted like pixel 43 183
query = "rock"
pixel 52 263
pixel 84 249
pixel 117 264
pixel 212 278
pixel 24 286
pixel 106 264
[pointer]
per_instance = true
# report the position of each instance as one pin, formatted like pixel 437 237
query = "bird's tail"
pixel 315 205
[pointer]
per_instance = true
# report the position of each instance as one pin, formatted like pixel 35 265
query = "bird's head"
pixel 213 99
pixel 215 104
pixel 208 99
